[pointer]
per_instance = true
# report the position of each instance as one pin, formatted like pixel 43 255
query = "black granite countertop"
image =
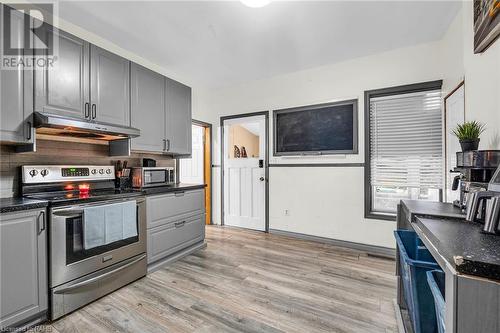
pixel 15 204
pixel 429 208
pixel 464 245
pixel 172 188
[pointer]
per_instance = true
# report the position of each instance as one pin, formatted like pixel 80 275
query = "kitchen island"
pixel 470 260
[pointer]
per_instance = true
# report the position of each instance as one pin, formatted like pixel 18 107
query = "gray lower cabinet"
pixel 15 106
pixel 147 103
pixel 178 118
pixel 173 237
pixel 63 88
pixel 23 267
pixel 109 87
pixel 175 222
pixel 166 208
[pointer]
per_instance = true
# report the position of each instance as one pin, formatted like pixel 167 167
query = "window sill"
pixel 380 216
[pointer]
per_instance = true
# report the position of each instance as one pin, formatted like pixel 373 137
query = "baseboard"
pixel 176 256
pixel 374 250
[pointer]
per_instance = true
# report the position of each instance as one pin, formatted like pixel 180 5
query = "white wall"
pixel 480 71
pixel 328 202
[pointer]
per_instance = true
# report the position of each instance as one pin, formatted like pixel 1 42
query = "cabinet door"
pixel 178 118
pixel 12 85
pixel 63 88
pixel 147 112
pixel 23 266
pixel 109 87
pixel 169 239
pixel 166 208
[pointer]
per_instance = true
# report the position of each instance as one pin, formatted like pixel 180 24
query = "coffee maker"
pixel 476 169
pixel 484 206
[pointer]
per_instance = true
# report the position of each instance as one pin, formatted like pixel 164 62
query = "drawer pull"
pixel 179 194
pixel 179 224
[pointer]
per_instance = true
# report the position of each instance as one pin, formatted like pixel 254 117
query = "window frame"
pixel 369 94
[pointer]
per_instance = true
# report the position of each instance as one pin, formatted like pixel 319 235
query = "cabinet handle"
pixel 168 144
pixel 87 110
pixel 179 224
pixel 28 137
pixel 164 145
pixel 94 111
pixel 179 194
pixel 41 222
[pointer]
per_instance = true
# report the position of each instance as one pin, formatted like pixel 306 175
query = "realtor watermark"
pixel 28 36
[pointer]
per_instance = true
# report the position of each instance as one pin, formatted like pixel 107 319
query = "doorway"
pixel 244 181
pixel 198 168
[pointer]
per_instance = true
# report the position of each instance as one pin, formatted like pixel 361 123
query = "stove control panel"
pixel 33 174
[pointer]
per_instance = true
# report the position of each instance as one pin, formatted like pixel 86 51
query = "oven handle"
pixel 100 277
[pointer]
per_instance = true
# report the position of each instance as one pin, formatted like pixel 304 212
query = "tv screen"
pixel 317 130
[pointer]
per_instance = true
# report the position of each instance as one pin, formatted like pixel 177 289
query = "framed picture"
pixel 486 23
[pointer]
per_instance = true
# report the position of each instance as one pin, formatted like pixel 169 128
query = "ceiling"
pixel 218 43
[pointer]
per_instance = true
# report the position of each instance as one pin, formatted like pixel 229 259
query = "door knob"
pixel 261 179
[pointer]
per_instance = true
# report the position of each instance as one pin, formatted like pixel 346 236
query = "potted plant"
pixel 468 134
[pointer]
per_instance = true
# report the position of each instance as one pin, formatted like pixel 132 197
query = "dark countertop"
pixel 464 246
pixel 15 204
pixel 21 203
pixel 172 188
pixel 428 208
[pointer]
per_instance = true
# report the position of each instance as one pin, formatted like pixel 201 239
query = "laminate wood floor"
pixel 247 281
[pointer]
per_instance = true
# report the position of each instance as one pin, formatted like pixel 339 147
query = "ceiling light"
pixel 255 3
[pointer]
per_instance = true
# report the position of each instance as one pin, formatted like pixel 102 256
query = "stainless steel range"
pixel 97 235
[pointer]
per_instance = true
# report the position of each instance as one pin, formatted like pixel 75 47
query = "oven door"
pixel 69 259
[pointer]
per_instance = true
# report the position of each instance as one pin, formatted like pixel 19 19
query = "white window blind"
pixel 406 134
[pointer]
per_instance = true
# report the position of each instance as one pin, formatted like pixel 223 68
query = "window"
pixel 404 147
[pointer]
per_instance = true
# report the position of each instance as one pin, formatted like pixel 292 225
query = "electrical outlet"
pixel 287 212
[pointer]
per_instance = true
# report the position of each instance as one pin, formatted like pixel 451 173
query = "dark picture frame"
pixel 353 151
pixel 486 23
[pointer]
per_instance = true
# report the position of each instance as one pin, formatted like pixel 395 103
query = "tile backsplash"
pixel 57 152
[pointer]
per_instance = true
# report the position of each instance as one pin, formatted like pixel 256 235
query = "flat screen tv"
pixel 323 129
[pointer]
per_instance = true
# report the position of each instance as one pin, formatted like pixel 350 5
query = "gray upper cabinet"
pixel 178 118
pixel 147 90
pixel 110 87
pixel 23 267
pixel 15 106
pixel 63 89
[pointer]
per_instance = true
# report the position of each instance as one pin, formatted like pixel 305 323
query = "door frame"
pixel 266 165
pixel 210 164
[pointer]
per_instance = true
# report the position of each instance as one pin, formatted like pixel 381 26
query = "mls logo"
pixel 27 39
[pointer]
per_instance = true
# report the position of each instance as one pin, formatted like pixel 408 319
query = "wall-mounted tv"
pixel 322 129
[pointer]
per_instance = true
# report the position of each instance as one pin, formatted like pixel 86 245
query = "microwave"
pixel 152 176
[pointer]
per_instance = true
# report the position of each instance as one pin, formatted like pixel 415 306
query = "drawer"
pixel 173 237
pixel 168 208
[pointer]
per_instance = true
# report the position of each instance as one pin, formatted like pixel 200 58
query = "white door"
pixel 455 114
pixel 191 169
pixel 244 178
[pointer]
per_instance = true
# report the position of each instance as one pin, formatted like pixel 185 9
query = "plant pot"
pixel 468 145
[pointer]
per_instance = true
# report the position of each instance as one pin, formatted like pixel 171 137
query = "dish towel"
pixel 129 219
pixel 113 217
pixel 93 227
pixel 109 223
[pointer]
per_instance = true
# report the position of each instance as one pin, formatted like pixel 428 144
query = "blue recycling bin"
pixel 415 260
pixel 436 281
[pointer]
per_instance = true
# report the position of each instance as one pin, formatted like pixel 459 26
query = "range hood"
pixel 61 126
